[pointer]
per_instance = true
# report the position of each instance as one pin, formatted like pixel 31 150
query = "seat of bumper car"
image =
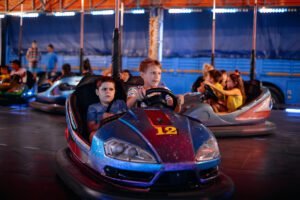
pixel 30 81
pixel 252 90
pixel 84 96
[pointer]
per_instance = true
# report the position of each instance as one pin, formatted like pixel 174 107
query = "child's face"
pixel 230 84
pixel 210 79
pixel 151 76
pixel 15 66
pixel 106 92
pixel 224 76
pixel 124 76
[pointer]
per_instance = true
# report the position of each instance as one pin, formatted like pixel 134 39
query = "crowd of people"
pixel 228 88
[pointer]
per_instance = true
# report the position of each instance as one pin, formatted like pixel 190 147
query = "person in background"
pixel 18 70
pixel 214 77
pixel 150 71
pixel 198 85
pixel 235 93
pixel 33 56
pixel 4 73
pixel 107 106
pixel 125 75
pixel 87 69
pixel 51 65
pixel 224 78
pixel 66 71
pixel 107 71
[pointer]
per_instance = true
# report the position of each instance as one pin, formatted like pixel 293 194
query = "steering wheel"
pixel 209 93
pixel 158 97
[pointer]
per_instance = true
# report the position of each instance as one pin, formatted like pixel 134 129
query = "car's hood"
pixel 169 136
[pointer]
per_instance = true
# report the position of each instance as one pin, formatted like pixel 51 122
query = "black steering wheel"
pixel 209 93
pixel 157 96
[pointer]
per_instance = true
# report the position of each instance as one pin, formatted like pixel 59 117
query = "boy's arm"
pixel 134 95
pixel 91 119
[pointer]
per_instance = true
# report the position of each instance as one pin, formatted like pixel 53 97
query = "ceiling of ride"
pixel 75 5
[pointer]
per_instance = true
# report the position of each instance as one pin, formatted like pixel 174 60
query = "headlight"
pixel 209 150
pixel 121 150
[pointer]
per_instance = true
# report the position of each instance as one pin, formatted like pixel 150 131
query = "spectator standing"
pixel 51 65
pixel 33 56
pixel 18 70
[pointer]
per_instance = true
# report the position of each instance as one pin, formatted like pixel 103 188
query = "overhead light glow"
pixel 103 12
pixel 2 16
pixel 179 10
pixel 272 10
pixel 137 11
pixel 63 14
pixel 19 14
pixel 292 110
pixel 225 10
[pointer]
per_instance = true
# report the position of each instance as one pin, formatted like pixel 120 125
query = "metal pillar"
pixel 121 33
pixel 3 39
pixel 156 23
pixel 116 51
pixel 1 42
pixel 20 36
pixel 213 36
pixel 253 52
pixel 81 53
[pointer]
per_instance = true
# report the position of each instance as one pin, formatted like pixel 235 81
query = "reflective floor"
pixel 260 167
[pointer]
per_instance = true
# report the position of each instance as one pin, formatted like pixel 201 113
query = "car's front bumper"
pixel 83 182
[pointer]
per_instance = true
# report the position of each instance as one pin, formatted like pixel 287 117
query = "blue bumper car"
pixel 15 91
pixel 150 152
pixel 248 120
pixel 53 99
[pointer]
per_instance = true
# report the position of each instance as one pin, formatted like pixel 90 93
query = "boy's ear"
pixel 97 92
pixel 142 74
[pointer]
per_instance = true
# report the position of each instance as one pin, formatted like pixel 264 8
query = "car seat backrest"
pixel 252 90
pixel 80 101
pixel 30 79
pixel 133 82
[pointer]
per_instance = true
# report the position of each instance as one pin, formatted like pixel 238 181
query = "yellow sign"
pixel 168 130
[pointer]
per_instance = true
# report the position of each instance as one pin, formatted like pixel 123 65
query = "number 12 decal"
pixel 168 130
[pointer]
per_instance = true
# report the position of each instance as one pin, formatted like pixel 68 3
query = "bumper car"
pixel 15 91
pixel 150 152
pixel 53 99
pixel 45 80
pixel 248 120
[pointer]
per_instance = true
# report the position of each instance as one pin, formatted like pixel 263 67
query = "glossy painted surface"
pixel 172 151
pixel 53 99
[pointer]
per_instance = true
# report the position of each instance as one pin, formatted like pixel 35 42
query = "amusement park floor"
pixel 265 167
